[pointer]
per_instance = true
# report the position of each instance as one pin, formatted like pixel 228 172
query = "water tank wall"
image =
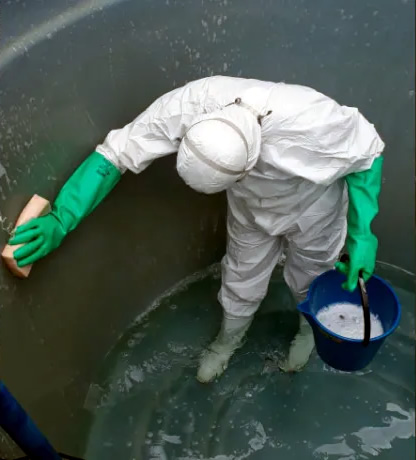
pixel 72 70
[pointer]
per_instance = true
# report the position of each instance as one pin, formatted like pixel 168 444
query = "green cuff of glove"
pixel 85 189
pixel 363 192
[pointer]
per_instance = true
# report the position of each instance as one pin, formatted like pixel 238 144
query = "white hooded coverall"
pixel 293 200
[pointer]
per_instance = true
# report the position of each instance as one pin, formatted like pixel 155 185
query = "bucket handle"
pixel 364 302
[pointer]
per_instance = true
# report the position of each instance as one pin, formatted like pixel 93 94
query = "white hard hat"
pixel 219 149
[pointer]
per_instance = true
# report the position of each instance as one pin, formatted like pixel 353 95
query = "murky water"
pixel 147 403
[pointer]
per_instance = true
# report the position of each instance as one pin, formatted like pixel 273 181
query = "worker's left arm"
pixel 325 142
pixel 363 192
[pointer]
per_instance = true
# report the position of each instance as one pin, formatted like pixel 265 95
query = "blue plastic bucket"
pixel 337 351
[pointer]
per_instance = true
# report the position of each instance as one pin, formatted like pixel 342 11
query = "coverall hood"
pixel 219 149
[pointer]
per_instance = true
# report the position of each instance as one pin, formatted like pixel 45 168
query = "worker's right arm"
pixel 153 134
pixel 84 190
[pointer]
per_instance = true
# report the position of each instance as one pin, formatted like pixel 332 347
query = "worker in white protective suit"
pixel 282 153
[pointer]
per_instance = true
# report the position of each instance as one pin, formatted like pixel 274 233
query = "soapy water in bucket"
pixel 347 320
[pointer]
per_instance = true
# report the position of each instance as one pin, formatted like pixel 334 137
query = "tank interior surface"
pixel 72 70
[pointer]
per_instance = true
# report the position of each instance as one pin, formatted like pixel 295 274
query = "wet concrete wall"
pixel 72 70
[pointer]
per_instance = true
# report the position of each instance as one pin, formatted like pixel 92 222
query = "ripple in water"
pixel 147 404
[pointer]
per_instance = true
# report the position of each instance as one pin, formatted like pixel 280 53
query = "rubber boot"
pixel 300 349
pixel 215 358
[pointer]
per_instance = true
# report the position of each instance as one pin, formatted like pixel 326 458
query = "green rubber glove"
pixel 363 191
pixel 80 195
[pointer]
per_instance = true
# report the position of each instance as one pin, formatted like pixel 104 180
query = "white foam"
pixel 346 319
pixel 171 439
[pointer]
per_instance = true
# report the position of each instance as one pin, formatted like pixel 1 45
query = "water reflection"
pixel 373 439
